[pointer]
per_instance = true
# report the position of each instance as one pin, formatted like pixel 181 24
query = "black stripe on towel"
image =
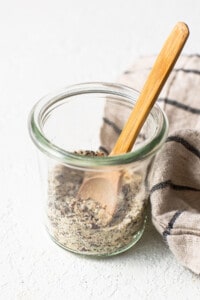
pixel 128 72
pixel 170 225
pixel 174 70
pixel 175 103
pixel 193 71
pixel 184 143
pixel 169 183
pixel 113 125
pixel 103 149
pixel 194 55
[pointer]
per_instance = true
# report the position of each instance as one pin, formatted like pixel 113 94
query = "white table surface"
pixel 46 45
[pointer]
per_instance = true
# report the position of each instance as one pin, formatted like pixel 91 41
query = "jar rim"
pixel 69 158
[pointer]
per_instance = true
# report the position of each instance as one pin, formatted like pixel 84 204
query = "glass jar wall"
pixel 74 130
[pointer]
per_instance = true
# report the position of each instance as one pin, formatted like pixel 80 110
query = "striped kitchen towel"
pixel 175 177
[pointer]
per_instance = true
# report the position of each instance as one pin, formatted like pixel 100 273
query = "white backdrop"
pixel 45 45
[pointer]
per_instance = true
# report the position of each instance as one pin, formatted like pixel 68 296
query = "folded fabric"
pixel 175 177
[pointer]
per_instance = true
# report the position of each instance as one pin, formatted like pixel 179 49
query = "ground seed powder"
pixel 79 224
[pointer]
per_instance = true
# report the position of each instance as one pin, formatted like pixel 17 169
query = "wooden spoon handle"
pixel 151 90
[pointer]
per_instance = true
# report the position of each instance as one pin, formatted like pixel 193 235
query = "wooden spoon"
pixel 104 187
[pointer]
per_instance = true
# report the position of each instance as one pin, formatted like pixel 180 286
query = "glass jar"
pixel 90 117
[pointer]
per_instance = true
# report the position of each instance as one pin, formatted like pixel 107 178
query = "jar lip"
pixel 69 158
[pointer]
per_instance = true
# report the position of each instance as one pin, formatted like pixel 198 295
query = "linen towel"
pixel 175 177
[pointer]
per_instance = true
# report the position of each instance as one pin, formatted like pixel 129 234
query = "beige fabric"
pixel 175 196
pixel 175 179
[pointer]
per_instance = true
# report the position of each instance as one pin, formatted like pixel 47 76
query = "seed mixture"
pixel 79 224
